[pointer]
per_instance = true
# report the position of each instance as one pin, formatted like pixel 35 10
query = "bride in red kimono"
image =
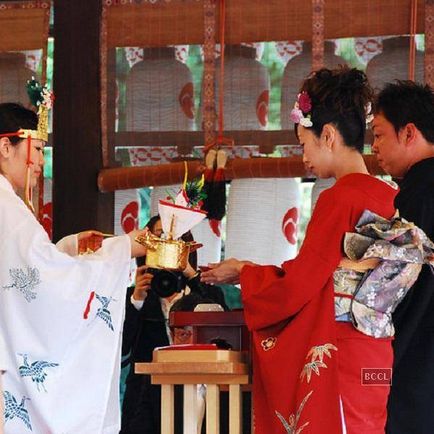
pixel 308 356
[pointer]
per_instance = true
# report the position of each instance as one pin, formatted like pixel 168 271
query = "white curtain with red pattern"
pixel 262 220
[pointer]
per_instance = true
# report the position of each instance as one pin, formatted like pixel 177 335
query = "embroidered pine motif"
pixel 25 283
pixel 291 425
pixel 13 409
pixel 317 356
pixel 103 311
pixel 36 371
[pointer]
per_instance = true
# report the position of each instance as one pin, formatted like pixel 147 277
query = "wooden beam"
pixel 187 140
pixel 195 138
pixel 77 203
pixel 124 178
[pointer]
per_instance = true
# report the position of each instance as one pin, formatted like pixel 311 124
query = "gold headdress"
pixel 41 98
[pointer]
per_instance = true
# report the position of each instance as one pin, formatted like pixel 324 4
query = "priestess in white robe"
pixel 60 318
pixel 60 314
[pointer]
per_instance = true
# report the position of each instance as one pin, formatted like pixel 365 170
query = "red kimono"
pixel 306 365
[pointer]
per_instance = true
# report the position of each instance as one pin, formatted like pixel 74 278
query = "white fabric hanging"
pixel 262 220
pixel 127 205
pixel 159 93
pixel 246 89
pixel 212 245
pixel 392 63
pixel 319 186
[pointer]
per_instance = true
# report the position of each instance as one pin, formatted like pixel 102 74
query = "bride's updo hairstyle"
pixel 341 97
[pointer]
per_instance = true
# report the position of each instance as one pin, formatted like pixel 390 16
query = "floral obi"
pixel 369 298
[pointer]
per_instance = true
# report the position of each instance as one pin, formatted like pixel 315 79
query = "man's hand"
pixel 143 283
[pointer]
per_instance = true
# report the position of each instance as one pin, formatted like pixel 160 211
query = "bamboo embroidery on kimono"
pixel 103 311
pixel 35 370
pixel 13 409
pixel 290 425
pixel 24 282
pixel 317 355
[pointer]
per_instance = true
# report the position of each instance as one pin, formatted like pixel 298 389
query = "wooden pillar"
pixel 77 155
pixel 429 42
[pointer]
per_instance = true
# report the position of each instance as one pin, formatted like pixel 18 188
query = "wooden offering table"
pixel 190 366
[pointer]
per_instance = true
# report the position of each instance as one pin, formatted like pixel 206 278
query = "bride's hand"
pixel 362 266
pixel 227 271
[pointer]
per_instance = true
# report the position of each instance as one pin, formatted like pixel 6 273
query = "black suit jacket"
pixel 411 400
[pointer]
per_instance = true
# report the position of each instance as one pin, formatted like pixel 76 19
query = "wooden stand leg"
pixel 234 409
pixel 167 409
pixel 190 408
pixel 212 409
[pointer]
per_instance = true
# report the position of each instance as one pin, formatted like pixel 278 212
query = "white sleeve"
pixel 138 304
pixel 3 358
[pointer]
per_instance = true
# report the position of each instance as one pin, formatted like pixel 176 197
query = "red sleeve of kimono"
pixel 271 294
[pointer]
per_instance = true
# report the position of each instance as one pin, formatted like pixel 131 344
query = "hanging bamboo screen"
pixel 24 27
pixel 161 92
pixel 23 46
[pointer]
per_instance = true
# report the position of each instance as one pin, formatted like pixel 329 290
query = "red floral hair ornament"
pixel 300 114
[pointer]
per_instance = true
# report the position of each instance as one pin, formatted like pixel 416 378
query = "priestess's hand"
pixel 89 241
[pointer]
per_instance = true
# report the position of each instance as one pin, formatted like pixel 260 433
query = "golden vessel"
pixel 165 254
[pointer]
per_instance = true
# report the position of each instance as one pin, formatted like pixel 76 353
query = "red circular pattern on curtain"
pixel 289 225
pixel 129 217
pixel 186 100
pixel 262 107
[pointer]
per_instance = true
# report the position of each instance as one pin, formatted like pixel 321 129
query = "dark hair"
pixel 404 102
pixel 192 257
pixel 340 97
pixel 14 116
pixel 152 222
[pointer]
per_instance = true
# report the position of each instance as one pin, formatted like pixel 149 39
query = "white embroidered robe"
pixel 61 321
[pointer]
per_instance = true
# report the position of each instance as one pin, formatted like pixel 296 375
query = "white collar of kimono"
pixel 5 184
